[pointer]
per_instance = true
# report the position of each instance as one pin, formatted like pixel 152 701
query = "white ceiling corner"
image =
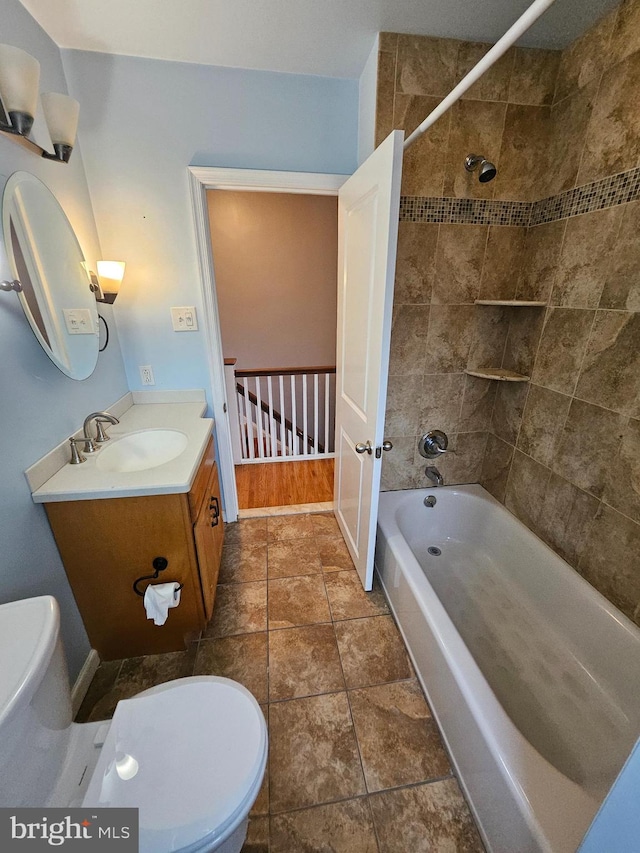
pixel 330 38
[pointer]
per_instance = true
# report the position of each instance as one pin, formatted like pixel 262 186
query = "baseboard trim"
pixel 84 679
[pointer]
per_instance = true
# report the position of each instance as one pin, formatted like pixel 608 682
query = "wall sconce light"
pixel 19 78
pixel 110 275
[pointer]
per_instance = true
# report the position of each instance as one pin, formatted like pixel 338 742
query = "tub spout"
pixel 434 475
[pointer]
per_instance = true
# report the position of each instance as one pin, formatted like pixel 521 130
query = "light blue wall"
pixel 40 406
pixel 616 827
pixel 367 98
pixel 144 122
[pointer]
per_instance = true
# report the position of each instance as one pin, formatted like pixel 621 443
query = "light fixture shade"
pixel 19 79
pixel 61 114
pixel 110 274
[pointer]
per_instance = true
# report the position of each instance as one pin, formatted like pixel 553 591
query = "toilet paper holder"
pixel 159 564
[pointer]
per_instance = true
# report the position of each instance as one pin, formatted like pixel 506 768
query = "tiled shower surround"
pixel 560 225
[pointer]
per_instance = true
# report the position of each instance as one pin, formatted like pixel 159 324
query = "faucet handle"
pixel 101 435
pixel 76 456
pixel 433 444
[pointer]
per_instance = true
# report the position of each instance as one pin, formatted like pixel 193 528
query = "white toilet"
pixel 190 754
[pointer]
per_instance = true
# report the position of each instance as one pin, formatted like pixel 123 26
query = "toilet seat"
pixel 190 754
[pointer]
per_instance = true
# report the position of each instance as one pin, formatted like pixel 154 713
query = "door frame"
pixel 201 179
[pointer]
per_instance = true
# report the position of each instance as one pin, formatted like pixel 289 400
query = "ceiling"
pixel 325 37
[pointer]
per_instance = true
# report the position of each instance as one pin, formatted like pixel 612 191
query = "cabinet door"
pixel 208 534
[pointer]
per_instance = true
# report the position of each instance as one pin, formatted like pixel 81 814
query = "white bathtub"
pixel 532 675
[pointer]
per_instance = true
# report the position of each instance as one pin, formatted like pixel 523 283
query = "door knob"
pixel 364 448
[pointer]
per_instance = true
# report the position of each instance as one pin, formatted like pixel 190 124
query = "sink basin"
pixel 142 450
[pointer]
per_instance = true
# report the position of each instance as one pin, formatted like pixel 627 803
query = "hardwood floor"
pixel 284 483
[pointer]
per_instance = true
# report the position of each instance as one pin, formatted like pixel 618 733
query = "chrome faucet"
pixel 101 436
pixel 434 475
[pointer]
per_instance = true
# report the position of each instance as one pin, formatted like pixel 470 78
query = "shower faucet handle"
pixel 433 444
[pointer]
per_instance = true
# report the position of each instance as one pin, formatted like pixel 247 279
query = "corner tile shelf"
pixel 511 303
pixel 498 373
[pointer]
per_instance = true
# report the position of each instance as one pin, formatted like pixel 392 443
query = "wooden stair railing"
pixel 277 416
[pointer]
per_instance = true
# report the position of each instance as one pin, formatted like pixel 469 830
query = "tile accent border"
pixel 598 195
pixel 608 192
pixel 464 211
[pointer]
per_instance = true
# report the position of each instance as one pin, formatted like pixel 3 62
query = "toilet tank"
pixel 35 701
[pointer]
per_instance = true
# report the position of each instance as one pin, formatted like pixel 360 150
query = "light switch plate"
pixel 184 319
pixel 78 321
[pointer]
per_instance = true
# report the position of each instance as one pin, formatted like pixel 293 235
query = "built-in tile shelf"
pixel 511 303
pixel 498 373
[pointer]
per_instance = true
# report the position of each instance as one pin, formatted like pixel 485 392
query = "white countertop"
pixel 87 482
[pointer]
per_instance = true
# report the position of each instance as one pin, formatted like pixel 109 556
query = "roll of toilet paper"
pixel 159 598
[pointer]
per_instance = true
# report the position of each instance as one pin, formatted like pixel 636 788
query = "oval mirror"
pixel 47 260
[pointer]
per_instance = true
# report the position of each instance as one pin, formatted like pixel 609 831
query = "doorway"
pixel 275 258
pixel 202 180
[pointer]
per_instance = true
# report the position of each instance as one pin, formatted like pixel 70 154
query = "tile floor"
pixel 356 763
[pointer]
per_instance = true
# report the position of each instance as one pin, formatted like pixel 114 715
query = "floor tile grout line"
pixel 365 796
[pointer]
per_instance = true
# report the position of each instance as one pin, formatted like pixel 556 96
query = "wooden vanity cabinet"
pixel 107 544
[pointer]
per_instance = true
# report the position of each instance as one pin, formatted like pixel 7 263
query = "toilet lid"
pixel 187 756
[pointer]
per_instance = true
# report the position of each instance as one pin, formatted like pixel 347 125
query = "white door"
pixel 368 208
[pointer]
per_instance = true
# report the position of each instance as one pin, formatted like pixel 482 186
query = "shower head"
pixel 487 170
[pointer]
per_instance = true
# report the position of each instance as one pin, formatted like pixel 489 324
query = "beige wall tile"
pixel 539 263
pixel 458 264
pixel 525 328
pixel 578 265
pixel 449 339
pixel 525 489
pixel 612 142
pixel 587 258
pixel 494 83
pixel 622 286
pixel 404 405
pixel 440 402
pixel 569 122
pixel 502 259
pixel 388 42
pixel 611 561
pixel 507 411
pixel 408 339
pixel 611 371
pixel 415 262
pixel 495 466
pixel 476 128
pixel 385 95
pixel 566 517
pixel 490 329
pixel 465 464
pixel 424 163
pixel 586 58
pixel 426 66
pixel 477 405
pixel 399 470
pixel 544 417
pixel 622 488
pixel 625 38
pixel 562 347
pixel 533 79
pixel 523 154
pixel 580 457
